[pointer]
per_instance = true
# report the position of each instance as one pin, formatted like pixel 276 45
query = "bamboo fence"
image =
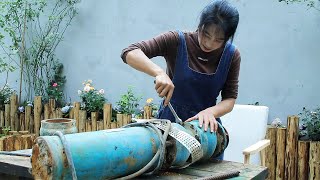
pixel 29 121
pixel 289 158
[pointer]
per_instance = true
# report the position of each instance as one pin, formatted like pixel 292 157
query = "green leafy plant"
pixel 5 93
pixel 92 100
pixel 56 85
pixel 30 31
pixel 5 131
pixel 310 124
pixel 128 103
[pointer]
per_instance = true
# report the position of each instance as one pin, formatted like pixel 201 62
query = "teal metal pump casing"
pixel 109 154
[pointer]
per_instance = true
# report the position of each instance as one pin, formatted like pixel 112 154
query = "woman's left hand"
pixel 206 117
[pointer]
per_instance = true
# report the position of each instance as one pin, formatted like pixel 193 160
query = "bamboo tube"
pixel 88 126
pixel 27 117
pixel 271 152
pixel 37 114
pixel 147 111
pixel 7 121
pixel 52 107
pixel 314 160
pixel 119 120
pixel 22 122
pixel 292 146
pixel 303 160
pixel 46 111
pixel 82 120
pixel 57 113
pixel 17 142
pixel 2 121
pixel 2 144
pixel 107 114
pixel 31 125
pixel 100 125
pixel 9 142
pixel 280 151
pixel 94 119
pixel 76 113
pixel 13 112
pixel 71 113
pixel 113 125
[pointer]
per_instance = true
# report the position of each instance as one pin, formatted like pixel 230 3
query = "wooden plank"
pixel 15 165
pixel 257 147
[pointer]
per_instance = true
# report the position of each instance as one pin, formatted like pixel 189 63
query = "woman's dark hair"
pixel 222 14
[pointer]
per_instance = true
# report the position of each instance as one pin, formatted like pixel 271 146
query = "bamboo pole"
pixel 129 118
pixel 2 120
pixel 147 111
pixel 280 151
pixel 7 121
pixel 314 160
pixel 27 117
pixel 88 126
pixel 125 119
pixel 76 113
pixel 13 112
pixel 46 111
pixel 303 160
pixel 94 119
pixel 58 113
pixel 31 125
pixel 271 152
pixel 292 146
pixel 22 122
pixel 113 125
pixel 82 120
pixel 119 120
pixel 100 125
pixel 71 113
pixel 37 114
pixel 107 114
pixel 52 107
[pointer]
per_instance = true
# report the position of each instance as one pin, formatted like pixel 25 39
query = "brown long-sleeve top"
pixel 166 45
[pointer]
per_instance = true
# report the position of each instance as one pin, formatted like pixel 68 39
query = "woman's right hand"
pixel 164 87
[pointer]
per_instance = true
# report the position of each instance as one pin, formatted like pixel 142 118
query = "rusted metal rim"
pixel 41 160
pixel 58 120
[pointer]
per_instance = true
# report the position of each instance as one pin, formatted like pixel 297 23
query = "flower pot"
pixel 50 126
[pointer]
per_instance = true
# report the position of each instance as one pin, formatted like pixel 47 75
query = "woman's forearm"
pixel 138 60
pixel 223 107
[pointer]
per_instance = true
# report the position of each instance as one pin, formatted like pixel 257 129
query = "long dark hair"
pixel 222 14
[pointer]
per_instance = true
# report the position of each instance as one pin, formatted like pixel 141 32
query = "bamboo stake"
pixel 314 160
pixel 22 122
pixel 76 113
pixel 9 142
pixel 37 114
pixel 13 112
pixel 119 120
pixel 58 113
pixel 124 119
pixel 71 113
pixel 281 150
pixel 88 126
pixel 94 119
pixel 26 141
pixel 82 120
pixel 291 149
pixel 147 111
pixel 46 111
pixel 52 107
pixel 129 118
pixel 303 160
pixel 17 142
pixel 7 121
pixel 2 120
pixel 100 125
pixel 27 117
pixel 113 125
pixel 31 125
pixel 271 152
pixel 107 114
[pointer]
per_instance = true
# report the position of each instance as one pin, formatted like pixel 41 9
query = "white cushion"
pixel 246 125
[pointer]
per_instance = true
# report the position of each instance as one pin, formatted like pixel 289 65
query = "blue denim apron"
pixel 195 91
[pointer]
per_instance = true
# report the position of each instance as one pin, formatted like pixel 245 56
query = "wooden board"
pixel 19 166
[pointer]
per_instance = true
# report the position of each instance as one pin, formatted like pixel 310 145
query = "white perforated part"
pixel 188 141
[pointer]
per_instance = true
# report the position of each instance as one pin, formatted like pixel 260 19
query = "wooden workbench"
pixel 19 166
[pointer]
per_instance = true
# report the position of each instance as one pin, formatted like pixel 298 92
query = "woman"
pixel 200 65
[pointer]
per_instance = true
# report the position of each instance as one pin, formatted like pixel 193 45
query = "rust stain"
pixel 130 161
pixel 154 146
pixel 41 160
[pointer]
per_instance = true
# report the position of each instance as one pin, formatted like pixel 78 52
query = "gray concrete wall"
pixel 278 45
